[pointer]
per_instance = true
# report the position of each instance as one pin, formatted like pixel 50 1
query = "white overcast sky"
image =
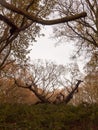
pixel 45 49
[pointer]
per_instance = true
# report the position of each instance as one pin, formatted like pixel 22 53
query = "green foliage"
pixel 48 116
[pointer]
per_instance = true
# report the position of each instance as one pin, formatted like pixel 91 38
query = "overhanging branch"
pixel 42 21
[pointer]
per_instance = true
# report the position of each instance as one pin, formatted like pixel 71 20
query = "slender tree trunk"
pixel 70 95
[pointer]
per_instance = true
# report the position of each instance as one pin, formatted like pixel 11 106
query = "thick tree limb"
pixel 32 88
pixel 8 21
pixel 70 95
pixel 42 21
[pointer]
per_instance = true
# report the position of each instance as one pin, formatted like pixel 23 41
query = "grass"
pixel 48 117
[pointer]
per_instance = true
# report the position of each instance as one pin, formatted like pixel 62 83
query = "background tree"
pixel 84 31
pixel 41 78
pixel 88 92
pixel 91 79
pixel 45 80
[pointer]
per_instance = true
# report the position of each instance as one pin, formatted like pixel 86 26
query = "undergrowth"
pixel 48 117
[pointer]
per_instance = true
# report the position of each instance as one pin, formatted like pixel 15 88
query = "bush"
pixel 48 117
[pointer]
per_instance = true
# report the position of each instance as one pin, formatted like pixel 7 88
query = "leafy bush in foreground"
pixel 48 117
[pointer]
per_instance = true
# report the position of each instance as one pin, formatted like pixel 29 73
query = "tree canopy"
pixel 20 24
pixel 84 30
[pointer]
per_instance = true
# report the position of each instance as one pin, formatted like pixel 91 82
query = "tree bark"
pixel 70 95
pixel 39 96
pixel 32 88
